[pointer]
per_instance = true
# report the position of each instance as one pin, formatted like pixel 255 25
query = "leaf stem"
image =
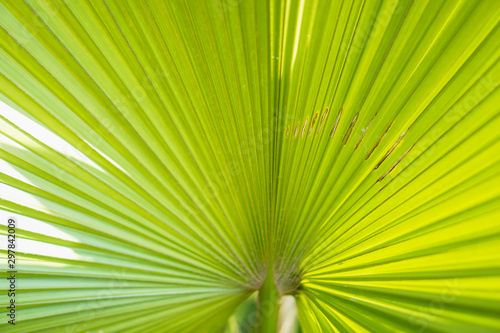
pixel 269 304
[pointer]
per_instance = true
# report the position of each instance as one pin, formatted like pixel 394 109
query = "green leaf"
pixel 165 160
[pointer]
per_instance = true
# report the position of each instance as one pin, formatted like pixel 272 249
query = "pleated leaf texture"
pixel 162 158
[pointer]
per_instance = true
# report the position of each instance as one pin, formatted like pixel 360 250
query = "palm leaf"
pixel 165 160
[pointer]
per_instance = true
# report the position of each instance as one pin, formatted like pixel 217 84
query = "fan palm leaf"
pixel 165 160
